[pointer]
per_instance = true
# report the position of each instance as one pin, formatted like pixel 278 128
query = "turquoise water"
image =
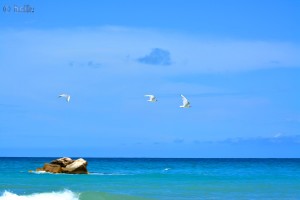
pixel 166 179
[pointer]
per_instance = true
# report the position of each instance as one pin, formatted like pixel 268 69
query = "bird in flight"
pixel 151 98
pixel 185 102
pixel 66 96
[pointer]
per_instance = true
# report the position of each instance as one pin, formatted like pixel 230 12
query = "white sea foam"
pixel 40 172
pixel 44 172
pixel 91 173
pixel 107 174
pixel 64 195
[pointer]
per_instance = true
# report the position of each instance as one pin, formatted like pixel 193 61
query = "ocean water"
pixel 141 179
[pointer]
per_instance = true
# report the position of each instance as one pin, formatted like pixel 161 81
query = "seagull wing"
pixel 63 95
pixel 184 100
pixel 68 98
pixel 151 97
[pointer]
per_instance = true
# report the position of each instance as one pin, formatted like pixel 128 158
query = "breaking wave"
pixel 64 195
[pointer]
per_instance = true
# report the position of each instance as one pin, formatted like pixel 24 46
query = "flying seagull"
pixel 151 98
pixel 67 96
pixel 185 102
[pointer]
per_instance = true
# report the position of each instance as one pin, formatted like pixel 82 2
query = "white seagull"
pixel 151 98
pixel 185 102
pixel 67 96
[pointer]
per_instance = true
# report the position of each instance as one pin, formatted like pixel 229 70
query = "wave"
pixel 69 195
pixel 44 172
pixel 64 195
pixel 40 172
pixel 91 173
pixel 108 174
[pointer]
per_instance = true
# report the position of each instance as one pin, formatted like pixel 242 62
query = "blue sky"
pixel 237 62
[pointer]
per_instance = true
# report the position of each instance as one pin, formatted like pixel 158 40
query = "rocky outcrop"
pixel 66 165
pixel 52 168
pixel 76 167
pixel 63 162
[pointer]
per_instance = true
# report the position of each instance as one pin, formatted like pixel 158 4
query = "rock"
pixel 77 167
pixel 52 168
pixel 39 169
pixel 63 162
pixel 66 165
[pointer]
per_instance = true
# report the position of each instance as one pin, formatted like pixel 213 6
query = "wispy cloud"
pixel 277 138
pixel 89 64
pixel 277 135
pixel 8 105
pixel 293 119
pixel 178 141
pixel 114 45
pixel 156 57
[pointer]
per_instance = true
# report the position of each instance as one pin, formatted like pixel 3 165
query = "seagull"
pixel 151 98
pixel 67 96
pixel 185 102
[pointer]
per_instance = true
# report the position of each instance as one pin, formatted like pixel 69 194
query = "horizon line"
pixel 153 157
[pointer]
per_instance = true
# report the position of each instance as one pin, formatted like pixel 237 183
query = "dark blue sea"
pixel 153 178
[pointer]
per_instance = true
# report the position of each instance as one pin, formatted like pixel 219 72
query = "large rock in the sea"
pixel 76 167
pixel 52 168
pixel 66 165
pixel 63 162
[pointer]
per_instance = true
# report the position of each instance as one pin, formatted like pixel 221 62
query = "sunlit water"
pixel 166 179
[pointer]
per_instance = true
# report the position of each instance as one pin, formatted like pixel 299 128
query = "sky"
pixel 237 62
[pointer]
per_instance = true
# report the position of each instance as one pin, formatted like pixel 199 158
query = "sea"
pixel 153 178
